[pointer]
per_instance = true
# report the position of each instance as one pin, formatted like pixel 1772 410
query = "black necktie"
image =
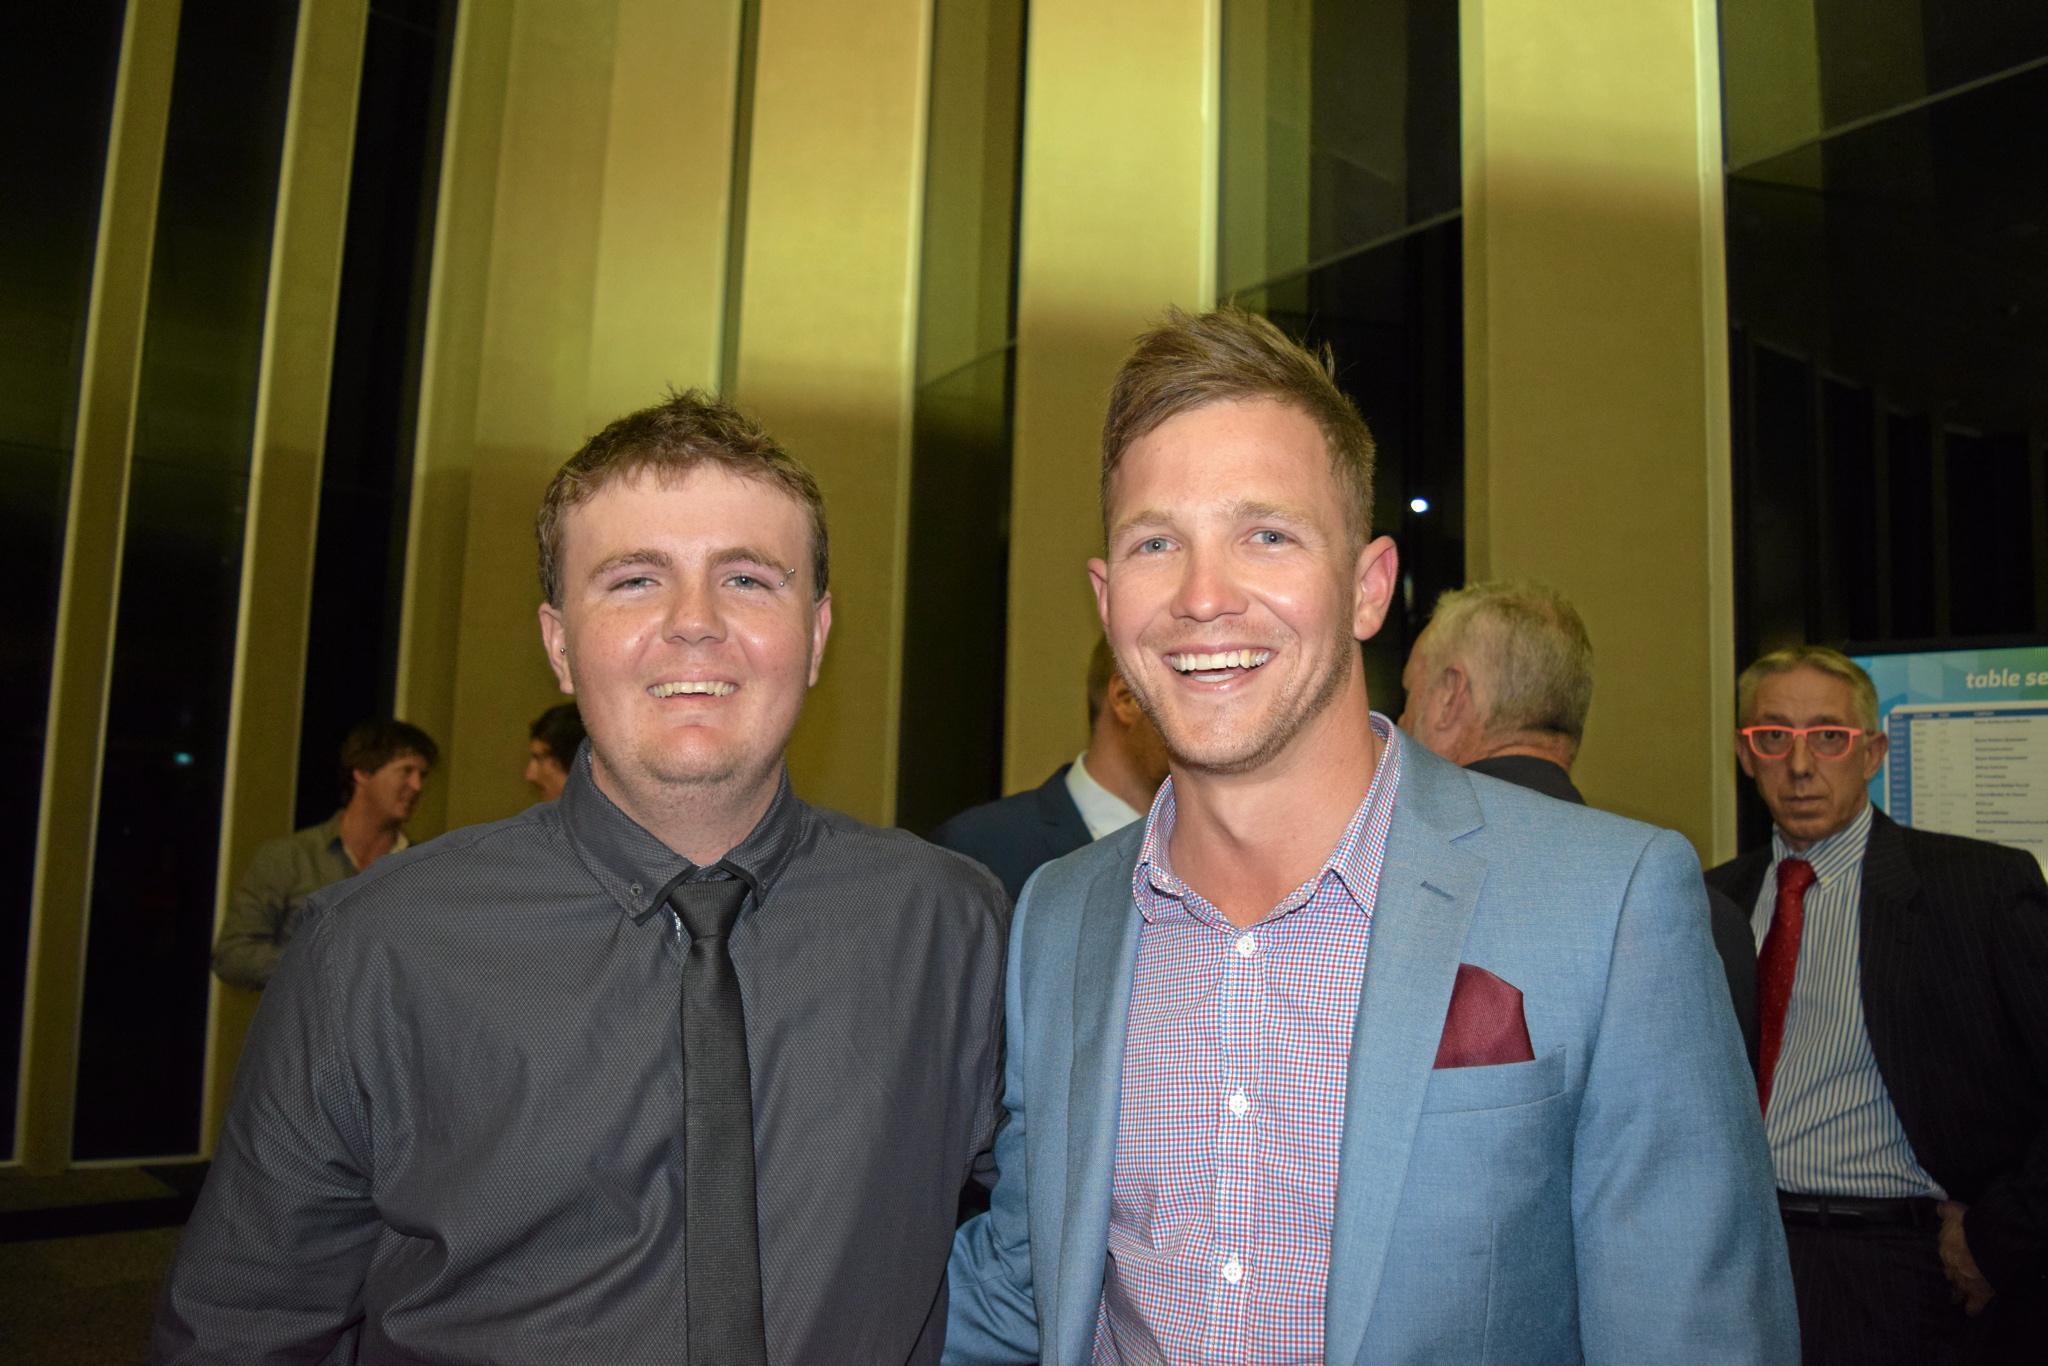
pixel 721 1253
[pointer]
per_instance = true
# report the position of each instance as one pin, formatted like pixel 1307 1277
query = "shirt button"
pixel 1246 946
pixel 1239 1102
pixel 1233 1271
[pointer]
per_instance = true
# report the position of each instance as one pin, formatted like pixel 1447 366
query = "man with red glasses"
pixel 1902 985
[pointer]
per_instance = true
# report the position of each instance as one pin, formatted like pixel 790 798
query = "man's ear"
pixel 821 629
pixel 1453 697
pixel 1873 753
pixel 1098 579
pixel 1123 702
pixel 1374 578
pixel 554 640
pixel 1744 757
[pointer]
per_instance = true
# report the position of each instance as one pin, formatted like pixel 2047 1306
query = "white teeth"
pixel 1222 659
pixel 703 686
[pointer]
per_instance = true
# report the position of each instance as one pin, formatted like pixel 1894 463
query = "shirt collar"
pixel 1102 811
pixel 1155 889
pixel 1830 857
pixel 329 832
pixel 637 870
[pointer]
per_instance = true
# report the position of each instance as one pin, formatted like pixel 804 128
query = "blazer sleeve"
pixel 2007 1227
pixel 991 1315
pixel 271 1267
pixel 1680 1254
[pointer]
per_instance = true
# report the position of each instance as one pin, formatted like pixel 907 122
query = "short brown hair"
pixel 1188 362
pixel 1819 657
pixel 1527 650
pixel 373 744
pixel 672 438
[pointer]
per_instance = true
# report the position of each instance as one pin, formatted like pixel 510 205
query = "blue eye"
pixel 636 581
pixel 1270 537
pixel 1151 545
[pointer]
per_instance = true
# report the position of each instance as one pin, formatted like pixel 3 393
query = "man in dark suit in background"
pixel 1500 682
pixel 1106 788
pixel 1903 985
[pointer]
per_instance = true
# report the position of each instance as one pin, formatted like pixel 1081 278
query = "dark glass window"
pixel 373 403
pixel 143 1028
pixel 59 60
pixel 1341 221
pixel 956 601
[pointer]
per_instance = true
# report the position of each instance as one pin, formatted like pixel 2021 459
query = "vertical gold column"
pixel 284 481
pixel 1597 454
pixel 579 271
pixel 1118 222
pixel 827 341
pixel 91 574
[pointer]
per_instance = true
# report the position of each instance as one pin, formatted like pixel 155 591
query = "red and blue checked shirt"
pixel 1233 1104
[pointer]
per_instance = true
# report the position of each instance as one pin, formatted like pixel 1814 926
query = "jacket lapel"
pixel 1105 956
pixel 1889 888
pixel 1428 888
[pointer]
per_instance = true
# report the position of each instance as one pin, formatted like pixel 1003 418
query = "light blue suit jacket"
pixel 1610 1201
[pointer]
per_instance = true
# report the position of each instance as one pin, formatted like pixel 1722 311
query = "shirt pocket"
pixel 1500 1087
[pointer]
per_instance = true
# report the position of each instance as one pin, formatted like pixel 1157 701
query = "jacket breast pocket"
pixel 1454 1089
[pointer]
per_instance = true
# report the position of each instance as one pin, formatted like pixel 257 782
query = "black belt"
pixel 1849 1212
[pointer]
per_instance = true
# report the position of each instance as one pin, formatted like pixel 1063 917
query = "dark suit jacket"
pixel 1733 939
pixel 1012 837
pixel 1955 999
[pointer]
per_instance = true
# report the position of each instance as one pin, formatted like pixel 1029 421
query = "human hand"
pixel 1969 1287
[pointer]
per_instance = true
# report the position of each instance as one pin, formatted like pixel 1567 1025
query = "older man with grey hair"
pixel 1500 682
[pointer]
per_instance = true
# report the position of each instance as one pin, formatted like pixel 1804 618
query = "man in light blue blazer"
pixel 1344 1054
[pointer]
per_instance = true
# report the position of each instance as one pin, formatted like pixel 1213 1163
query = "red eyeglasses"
pixel 1823 742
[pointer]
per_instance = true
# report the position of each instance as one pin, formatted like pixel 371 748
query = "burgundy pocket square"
pixel 1484 1026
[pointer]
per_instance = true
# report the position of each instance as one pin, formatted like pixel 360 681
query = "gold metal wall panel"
pixel 1597 454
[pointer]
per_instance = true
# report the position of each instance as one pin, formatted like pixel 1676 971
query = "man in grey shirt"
pixel 384 767
pixel 469 1122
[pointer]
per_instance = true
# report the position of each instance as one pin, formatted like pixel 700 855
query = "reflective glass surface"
pixel 956 597
pixel 373 403
pixel 143 1028
pixel 1889 295
pixel 1795 69
pixel 1340 127
pixel 59 60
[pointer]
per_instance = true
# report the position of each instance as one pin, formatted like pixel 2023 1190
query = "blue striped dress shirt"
pixel 1831 1124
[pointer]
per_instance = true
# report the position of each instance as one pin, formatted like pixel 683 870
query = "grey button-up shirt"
pixel 457 1130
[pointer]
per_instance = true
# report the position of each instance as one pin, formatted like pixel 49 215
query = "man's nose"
pixel 693 612
pixel 1207 587
pixel 1800 759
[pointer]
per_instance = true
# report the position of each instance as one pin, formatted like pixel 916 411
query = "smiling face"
pixel 1231 591
pixel 392 792
pixel 1810 797
pixel 688 633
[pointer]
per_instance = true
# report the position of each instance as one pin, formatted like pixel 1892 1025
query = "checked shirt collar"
pixel 1156 890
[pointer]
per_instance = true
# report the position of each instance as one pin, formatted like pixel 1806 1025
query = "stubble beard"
pixel 1283 724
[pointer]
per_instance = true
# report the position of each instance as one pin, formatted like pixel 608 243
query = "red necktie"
pixel 1775 966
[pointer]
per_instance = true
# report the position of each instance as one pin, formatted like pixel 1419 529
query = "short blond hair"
pixel 1528 646
pixel 1820 657
pixel 1191 361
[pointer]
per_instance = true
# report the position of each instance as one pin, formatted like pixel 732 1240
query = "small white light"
pixel 1418 504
